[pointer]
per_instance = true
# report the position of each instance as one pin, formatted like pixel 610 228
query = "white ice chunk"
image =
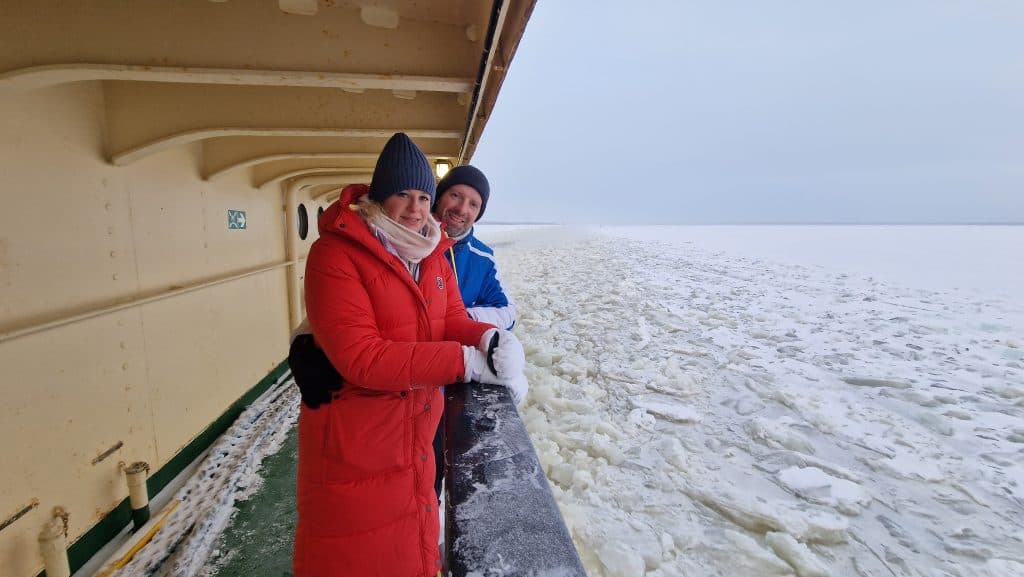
pixel 779 433
pixel 602 446
pixel 1003 568
pixel 668 408
pixel 818 486
pixel 936 423
pixel 619 560
pixel 760 516
pixel 673 452
pixel 1015 478
pixel 909 465
pixel 797 554
pixel 674 380
pixel 755 557
pixel 668 544
pixel 640 418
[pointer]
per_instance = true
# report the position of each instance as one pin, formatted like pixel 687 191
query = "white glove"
pixel 477 370
pixel 508 357
pixel 519 387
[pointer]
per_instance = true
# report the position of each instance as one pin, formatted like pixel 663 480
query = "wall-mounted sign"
pixel 236 219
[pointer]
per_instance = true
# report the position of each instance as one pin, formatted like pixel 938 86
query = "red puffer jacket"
pixel 366 467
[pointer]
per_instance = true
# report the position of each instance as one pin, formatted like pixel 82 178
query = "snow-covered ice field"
pixel 778 400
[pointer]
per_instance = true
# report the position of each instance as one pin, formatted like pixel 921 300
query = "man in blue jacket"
pixel 460 201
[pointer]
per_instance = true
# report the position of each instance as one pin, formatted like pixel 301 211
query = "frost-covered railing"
pixel 501 518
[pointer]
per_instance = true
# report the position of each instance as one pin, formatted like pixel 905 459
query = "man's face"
pixel 458 208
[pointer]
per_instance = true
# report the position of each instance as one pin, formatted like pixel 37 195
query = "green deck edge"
pixel 107 528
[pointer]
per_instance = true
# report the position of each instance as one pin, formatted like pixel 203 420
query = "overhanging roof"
pixel 272 87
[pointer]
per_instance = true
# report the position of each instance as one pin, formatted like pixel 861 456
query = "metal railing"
pixel 500 515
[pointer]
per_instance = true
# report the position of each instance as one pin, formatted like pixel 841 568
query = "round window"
pixel 303 222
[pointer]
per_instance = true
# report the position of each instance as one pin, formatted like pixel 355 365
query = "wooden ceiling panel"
pixel 333 175
pixel 240 34
pixel 270 171
pixel 221 154
pixel 140 113
pixel 24 79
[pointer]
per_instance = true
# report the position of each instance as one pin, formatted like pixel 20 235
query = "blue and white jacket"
pixel 479 283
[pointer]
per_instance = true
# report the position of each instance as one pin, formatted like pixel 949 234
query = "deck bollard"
pixel 138 496
pixel 53 545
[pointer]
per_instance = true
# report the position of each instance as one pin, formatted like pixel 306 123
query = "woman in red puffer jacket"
pixel 384 306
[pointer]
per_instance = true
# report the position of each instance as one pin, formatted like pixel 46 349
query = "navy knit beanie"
pixel 401 166
pixel 468 175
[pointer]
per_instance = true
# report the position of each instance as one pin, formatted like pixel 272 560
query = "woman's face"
pixel 409 208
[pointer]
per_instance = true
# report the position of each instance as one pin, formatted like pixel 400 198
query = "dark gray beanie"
pixel 468 175
pixel 401 166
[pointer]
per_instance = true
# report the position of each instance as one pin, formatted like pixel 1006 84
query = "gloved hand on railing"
pixel 504 352
pixel 498 361
pixel 314 374
pixel 478 370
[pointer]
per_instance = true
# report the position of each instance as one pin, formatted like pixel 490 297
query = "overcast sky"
pixel 717 111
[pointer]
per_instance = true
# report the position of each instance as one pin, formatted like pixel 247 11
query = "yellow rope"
pixel 451 251
pixel 140 544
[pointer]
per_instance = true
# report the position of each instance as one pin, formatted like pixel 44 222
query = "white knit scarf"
pixel 411 246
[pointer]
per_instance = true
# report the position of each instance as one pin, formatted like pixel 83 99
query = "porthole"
pixel 303 222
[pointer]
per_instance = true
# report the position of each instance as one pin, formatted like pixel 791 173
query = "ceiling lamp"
pixel 441 167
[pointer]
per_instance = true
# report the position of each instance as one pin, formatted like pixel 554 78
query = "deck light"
pixel 441 167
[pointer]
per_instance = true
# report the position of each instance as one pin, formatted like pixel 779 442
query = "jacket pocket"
pixel 366 435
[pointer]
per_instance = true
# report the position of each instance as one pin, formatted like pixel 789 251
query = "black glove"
pixel 316 377
pixel 491 345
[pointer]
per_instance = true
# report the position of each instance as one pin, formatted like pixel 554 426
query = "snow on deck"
pixel 703 413
pixel 228 474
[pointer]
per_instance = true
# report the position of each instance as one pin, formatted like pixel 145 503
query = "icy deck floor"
pixel 259 539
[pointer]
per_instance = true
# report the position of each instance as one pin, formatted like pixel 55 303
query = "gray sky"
pixel 762 111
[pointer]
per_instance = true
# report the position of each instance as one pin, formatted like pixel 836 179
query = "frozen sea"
pixel 778 400
pixel 744 401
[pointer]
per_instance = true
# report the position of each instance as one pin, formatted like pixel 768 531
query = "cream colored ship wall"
pixel 77 234
pixel 315 194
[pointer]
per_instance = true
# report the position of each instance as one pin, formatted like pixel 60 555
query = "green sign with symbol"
pixel 236 219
